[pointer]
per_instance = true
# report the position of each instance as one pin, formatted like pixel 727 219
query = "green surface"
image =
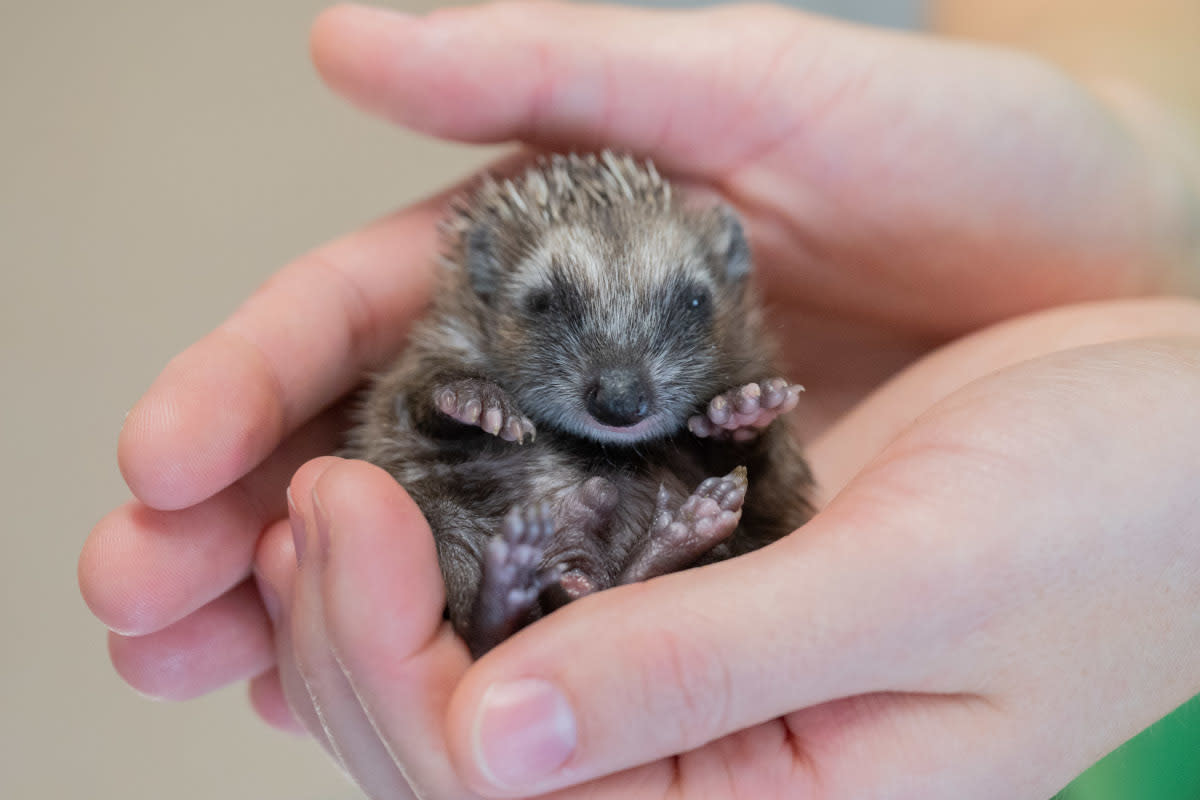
pixel 1161 763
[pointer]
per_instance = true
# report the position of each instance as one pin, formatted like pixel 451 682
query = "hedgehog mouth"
pixel 652 427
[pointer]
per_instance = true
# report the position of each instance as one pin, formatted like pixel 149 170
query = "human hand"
pixel 925 185
pixel 1002 594
pixel 897 191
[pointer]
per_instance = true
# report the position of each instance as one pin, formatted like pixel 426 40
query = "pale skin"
pixel 1002 582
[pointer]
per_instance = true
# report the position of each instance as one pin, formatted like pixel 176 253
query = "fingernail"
pixel 524 730
pixel 298 532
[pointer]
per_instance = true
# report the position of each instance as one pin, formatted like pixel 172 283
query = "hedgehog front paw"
pixel 513 576
pixel 484 405
pixel 740 414
pixel 703 520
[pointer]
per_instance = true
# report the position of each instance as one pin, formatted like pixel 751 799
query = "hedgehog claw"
pixel 486 406
pixel 740 414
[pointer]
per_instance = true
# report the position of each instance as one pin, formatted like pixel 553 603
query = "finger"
pixel 663 672
pixel 225 641
pixel 404 665
pixel 569 75
pixel 859 436
pixel 845 748
pixel 270 703
pixel 142 569
pixel 300 342
pixel 275 571
pixel 349 730
pixel 1114 430
pixel 383 602
pixel 927 746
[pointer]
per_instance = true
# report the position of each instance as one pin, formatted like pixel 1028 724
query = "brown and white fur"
pixel 591 399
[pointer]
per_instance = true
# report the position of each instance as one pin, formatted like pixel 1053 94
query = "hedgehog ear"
pixel 730 245
pixel 483 267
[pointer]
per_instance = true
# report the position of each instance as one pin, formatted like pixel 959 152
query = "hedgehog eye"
pixel 698 300
pixel 538 302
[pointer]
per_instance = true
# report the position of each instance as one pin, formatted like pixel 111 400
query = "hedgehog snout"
pixel 619 397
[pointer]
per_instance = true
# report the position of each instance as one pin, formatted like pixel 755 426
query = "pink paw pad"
pixel 740 414
pixel 708 515
pixel 487 410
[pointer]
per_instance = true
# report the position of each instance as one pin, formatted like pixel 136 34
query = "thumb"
pixel 959 566
pixel 380 598
pixel 694 91
pixel 647 671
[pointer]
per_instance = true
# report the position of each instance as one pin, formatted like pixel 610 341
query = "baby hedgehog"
pixel 591 400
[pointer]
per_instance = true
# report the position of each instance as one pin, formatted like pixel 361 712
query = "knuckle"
pixel 363 334
pixel 686 681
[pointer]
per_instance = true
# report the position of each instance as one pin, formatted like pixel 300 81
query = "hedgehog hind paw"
pixel 679 536
pixel 513 576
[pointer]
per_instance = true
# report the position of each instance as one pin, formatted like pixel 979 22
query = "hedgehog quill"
pixel 591 400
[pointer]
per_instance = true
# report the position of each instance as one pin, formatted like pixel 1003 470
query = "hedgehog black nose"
pixel 618 397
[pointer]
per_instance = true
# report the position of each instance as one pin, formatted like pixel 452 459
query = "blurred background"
pixel 159 161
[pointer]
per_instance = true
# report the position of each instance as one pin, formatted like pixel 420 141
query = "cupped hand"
pixel 926 185
pixel 898 190
pixel 1005 590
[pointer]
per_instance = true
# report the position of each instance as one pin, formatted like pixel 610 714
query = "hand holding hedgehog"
pixel 582 404
pixel 901 192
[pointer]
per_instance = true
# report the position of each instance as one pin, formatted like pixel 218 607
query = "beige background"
pixel 158 159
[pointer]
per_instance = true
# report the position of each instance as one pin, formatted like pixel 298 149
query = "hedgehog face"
pixel 612 330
